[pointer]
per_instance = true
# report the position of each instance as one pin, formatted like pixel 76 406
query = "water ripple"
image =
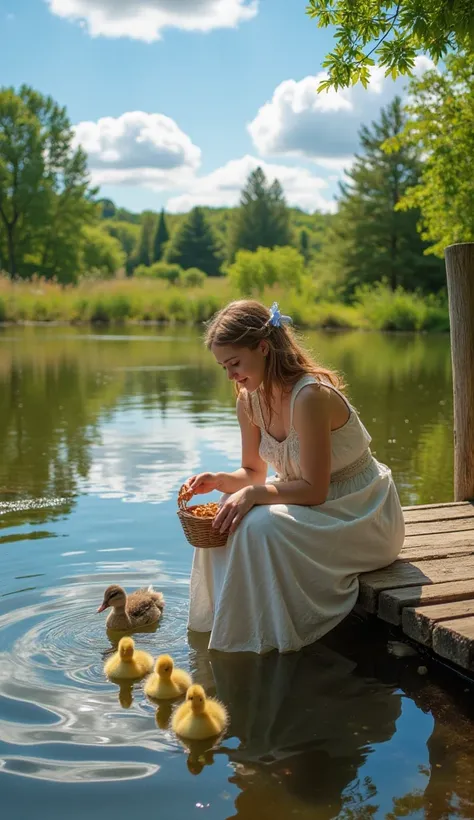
pixel 51 671
pixel 75 772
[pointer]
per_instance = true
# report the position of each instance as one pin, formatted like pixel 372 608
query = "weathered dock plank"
pixel 393 601
pixel 454 640
pixel 417 573
pixel 419 622
pixel 448 525
pixel 441 513
pixel 429 590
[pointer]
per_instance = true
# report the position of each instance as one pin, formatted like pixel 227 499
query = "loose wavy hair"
pixel 245 323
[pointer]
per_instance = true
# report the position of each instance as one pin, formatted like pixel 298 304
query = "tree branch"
pixel 394 19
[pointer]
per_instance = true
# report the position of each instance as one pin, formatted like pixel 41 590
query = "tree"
pixel 194 245
pixel 400 30
pixel 304 246
pixel 143 256
pixel 45 197
pixel 161 237
pixel 102 253
pixel 441 126
pixel 108 209
pixel 372 239
pixel 263 219
pixel 128 235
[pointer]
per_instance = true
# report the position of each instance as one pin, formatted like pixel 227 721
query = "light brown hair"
pixel 245 323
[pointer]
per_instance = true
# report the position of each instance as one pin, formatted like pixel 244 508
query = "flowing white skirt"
pixel 289 574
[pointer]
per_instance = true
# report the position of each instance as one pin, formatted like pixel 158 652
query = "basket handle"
pixel 185 494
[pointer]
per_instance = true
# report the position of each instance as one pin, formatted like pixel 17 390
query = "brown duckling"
pixel 141 608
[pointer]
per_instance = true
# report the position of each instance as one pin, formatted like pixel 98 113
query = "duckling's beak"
pixel 103 606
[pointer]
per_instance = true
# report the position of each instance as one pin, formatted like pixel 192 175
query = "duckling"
pixel 141 608
pixel 128 663
pixel 199 717
pixel 166 682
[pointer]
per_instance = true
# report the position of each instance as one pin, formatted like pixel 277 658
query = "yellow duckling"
pixel 166 682
pixel 128 663
pixel 199 717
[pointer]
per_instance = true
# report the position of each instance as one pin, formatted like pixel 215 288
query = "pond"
pixel 97 433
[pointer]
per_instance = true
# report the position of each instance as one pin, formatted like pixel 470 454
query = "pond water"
pixel 97 433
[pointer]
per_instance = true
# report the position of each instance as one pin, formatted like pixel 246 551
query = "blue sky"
pixel 174 116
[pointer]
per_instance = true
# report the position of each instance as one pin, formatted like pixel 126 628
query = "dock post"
pixel 460 276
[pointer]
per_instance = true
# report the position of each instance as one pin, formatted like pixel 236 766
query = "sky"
pixel 177 101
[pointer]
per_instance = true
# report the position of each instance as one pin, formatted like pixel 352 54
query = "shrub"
pixel 193 278
pixel 160 270
pixel 252 271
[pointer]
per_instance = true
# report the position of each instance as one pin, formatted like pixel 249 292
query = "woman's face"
pixel 244 366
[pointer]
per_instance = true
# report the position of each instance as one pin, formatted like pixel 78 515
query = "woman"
pixel 297 543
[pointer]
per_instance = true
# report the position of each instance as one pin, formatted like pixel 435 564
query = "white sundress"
pixel 289 573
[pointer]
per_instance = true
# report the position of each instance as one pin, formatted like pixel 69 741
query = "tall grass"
pixel 384 309
pixel 147 300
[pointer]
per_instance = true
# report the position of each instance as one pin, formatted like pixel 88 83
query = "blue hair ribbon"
pixel 278 319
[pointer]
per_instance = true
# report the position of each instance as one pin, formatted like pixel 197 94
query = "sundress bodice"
pixel 348 443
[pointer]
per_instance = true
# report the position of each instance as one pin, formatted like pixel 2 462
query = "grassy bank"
pixel 139 300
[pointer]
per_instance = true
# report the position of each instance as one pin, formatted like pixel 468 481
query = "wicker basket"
pixel 198 528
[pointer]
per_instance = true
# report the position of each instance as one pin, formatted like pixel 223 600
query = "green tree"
pixel 128 235
pixel 102 254
pixel 194 245
pixel 161 237
pixel 304 248
pixel 107 207
pixel 441 126
pixel 400 29
pixel 262 220
pixel 144 250
pixel 373 240
pixel 45 197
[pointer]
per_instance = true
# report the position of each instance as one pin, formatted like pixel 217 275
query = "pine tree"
pixel 263 218
pixel 161 236
pixel 374 241
pixel 194 245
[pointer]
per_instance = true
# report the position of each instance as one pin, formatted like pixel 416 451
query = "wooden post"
pixel 460 276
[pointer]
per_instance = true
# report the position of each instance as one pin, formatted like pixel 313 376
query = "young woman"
pixel 297 543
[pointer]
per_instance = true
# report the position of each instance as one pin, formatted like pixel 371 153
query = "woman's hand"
pixel 233 510
pixel 202 483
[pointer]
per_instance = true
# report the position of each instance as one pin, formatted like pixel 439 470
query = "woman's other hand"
pixel 234 509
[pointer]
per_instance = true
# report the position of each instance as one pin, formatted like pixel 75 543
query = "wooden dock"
pixel 429 591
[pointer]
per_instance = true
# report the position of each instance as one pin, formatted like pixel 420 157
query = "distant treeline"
pixel 407 195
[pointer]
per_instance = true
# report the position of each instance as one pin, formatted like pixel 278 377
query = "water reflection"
pixel 129 416
pixel 305 725
pixel 342 729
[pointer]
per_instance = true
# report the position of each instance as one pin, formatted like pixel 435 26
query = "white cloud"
pixel 146 19
pixel 222 187
pixel 322 127
pixel 138 149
